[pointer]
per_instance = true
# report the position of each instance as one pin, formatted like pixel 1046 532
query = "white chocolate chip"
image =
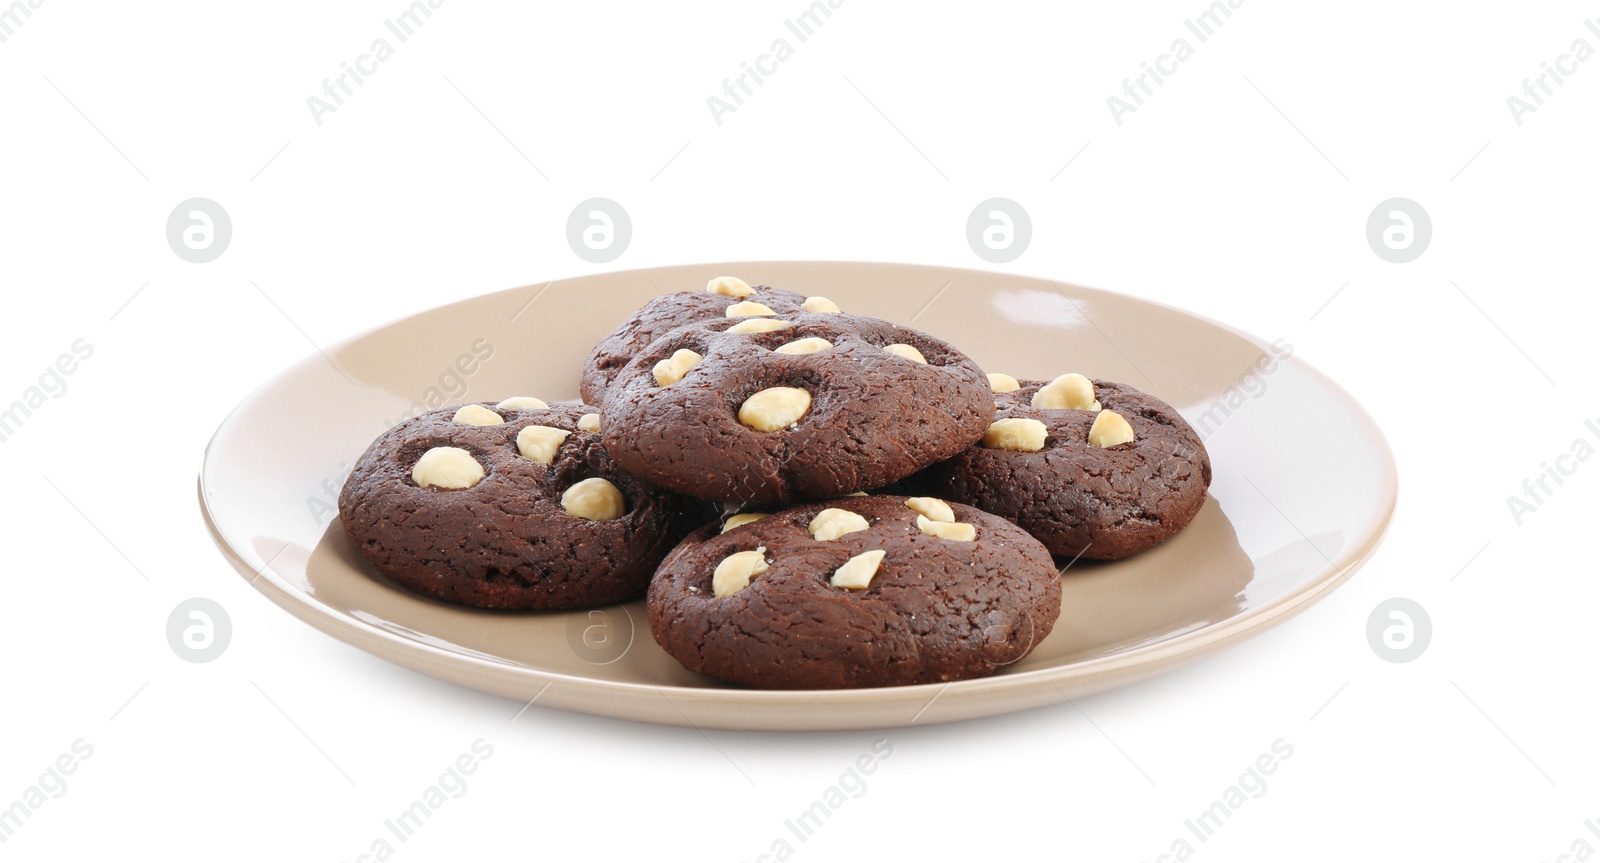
pixel 1068 392
pixel 1014 433
pixel 540 443
pixel 757 325
pixel 1110 429
pixel 804 346
pixel 477 415
pixel 856 494
pixel 775 408
pixel 1003 383
pixel 959 531
pixel 733 574
pixel 521 403
pixel 857 572
pixel 833 523
pixel 907 352
pixel 447 467
pixel 932 507
pixel 742 519
pixel 595 499
pixel 820 305
pixel 589 423
pixel 670 371
pixel 747 308
pixel 730 286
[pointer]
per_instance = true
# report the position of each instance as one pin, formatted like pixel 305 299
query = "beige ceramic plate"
pixel 1304 488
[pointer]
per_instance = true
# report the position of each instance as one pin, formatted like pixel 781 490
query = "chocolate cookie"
pixel 667 313
pixel 1101 484
pixel 855 592
pixel 513 505
pixel 819 406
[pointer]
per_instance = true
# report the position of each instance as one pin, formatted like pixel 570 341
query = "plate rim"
pixel 1088 676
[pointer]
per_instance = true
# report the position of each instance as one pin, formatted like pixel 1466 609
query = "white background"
pixel 1240 190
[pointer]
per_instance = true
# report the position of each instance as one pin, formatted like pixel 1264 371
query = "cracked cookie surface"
pixel 508 540
pixel 933 609
pixel 1078 498
pixel 729 424
pixel 660 316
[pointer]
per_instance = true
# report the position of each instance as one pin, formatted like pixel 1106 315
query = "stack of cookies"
pixel 733 460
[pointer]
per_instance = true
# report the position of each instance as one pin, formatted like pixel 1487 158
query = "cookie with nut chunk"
pixel 1092 468
pixel 509 505
pixel 776 408
pixel 723 297
pixel 855 592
